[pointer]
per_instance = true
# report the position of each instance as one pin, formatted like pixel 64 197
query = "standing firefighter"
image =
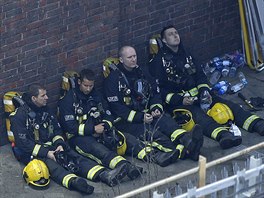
pixel 184 85
pixel 38 135
pixel 89 126
pixel 134 97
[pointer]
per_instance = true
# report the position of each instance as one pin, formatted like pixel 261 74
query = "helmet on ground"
pixel 184 118
pixel 221 113
pixel 36 173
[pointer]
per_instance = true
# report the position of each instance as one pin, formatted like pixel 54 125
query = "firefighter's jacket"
pixel 131 93
pixel 36 130
pixel 177 75
pixel 80 113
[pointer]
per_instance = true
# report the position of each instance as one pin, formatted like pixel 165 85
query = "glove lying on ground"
pixel 257 101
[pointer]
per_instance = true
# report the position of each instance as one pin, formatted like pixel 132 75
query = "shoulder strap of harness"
pixel 31 115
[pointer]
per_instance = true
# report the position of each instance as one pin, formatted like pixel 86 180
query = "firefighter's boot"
pixel 134 171
pixel 192 142
pixel 113 177
pixel 165 158
pixel 259 127
pixel 81 185
pixel 228 140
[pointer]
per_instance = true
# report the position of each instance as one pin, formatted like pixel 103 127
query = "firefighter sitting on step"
pixel 88 124
pixel 183 85
pixel 134 97
pixel 38 135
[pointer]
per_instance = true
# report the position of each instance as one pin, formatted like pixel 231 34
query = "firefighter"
pixel 134 97
pixel 184 85
pixel 38 135
pixel 89 125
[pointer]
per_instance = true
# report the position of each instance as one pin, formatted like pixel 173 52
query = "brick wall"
pixel 41 39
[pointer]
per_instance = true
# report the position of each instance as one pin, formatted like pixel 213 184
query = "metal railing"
pixel 244 183
pixel 201 169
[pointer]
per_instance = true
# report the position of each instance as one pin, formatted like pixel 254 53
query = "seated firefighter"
pixel 88 124
pixel 38 135
pixel 133 96
pixel 183 85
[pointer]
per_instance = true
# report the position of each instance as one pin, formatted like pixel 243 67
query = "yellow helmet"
pixel 221 113
pixel 109 64
pixel 122 145
pixel 36 173
pixel 184 118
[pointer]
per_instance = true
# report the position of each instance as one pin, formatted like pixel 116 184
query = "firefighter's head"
pixel 86 81
pixel 170 36
pixel 128 57
pixel 38 94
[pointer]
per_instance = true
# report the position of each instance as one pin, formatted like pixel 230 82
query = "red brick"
pixel 61 34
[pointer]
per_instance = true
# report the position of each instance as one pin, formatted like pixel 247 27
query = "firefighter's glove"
pixel 202 90
pixel 154 109
pixel 206 95
pixel 67 161
pixel 156 113
pixel 257 101
pixel 107 126
pixel 65 146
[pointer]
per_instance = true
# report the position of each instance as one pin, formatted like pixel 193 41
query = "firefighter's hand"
pixel 156 113
pixel 188 100
pixel 59 149
pixel 148 118
pixel 51 155
pixel 99 128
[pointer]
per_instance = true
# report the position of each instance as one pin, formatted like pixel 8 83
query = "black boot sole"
pixel 121 173
pixel 259 127
pixel 228 142
pixel 82 186
pixel 173 158
pixel 135 173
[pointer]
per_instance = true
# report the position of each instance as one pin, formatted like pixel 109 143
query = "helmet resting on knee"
pixel 221 113
pixel 184 118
